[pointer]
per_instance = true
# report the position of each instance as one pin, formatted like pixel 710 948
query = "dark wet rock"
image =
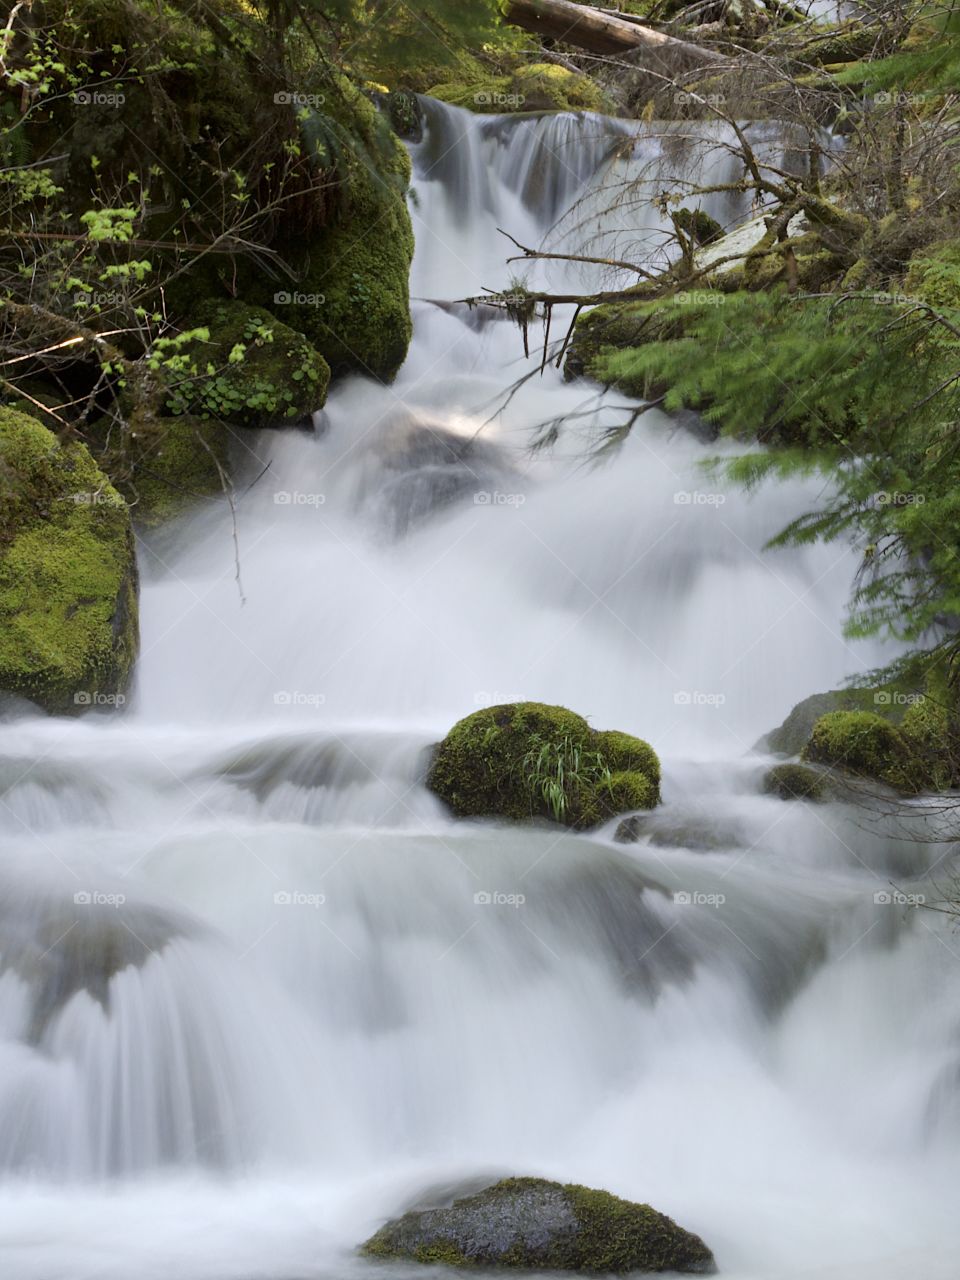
pixel 534 1224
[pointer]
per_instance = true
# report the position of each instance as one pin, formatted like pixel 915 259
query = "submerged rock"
pixel 531 1223
pixel 68 573
pixel 526 760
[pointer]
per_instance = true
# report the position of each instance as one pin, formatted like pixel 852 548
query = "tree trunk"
pixel 599 32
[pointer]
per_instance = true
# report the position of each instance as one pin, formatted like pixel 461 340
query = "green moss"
pixel 540 86
pixel 791 737
pixel 254 371
pixel 68 579
pixel 793 782
pixel 529 760
pixel 534 1224
pixel 933 278
pixel 866 744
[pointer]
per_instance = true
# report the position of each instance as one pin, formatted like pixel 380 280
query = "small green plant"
pixel 556 771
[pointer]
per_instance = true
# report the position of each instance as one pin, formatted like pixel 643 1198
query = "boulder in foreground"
pixel 534 1224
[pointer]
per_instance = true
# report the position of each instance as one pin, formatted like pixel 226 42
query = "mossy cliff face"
pixel 68 577
pixel 528 760
pixel 530 1223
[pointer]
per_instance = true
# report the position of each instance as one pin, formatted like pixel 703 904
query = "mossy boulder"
pixel 351 300
pixel 528 760
pixel 865 744
pixel 252 371
pixel 790 737
pixel 540 86
pixel 793 782
pixel 68 573
pixel 534 1224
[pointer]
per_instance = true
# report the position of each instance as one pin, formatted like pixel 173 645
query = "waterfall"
pixel 258 991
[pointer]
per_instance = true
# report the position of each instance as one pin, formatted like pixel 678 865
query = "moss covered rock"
pixel 793 782
pixel 253 371
pixel 863 743
pixel 528 760
pixel 352 298
pixel 533 1224
pixel 540 86
pixel 68 575
pixel 178 463
pixel 793 734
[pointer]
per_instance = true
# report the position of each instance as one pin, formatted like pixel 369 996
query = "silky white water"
pixel 259 992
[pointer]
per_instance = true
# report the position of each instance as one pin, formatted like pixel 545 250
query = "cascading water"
pixel 259 992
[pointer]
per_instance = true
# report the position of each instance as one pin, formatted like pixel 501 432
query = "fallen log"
pixel 603 33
